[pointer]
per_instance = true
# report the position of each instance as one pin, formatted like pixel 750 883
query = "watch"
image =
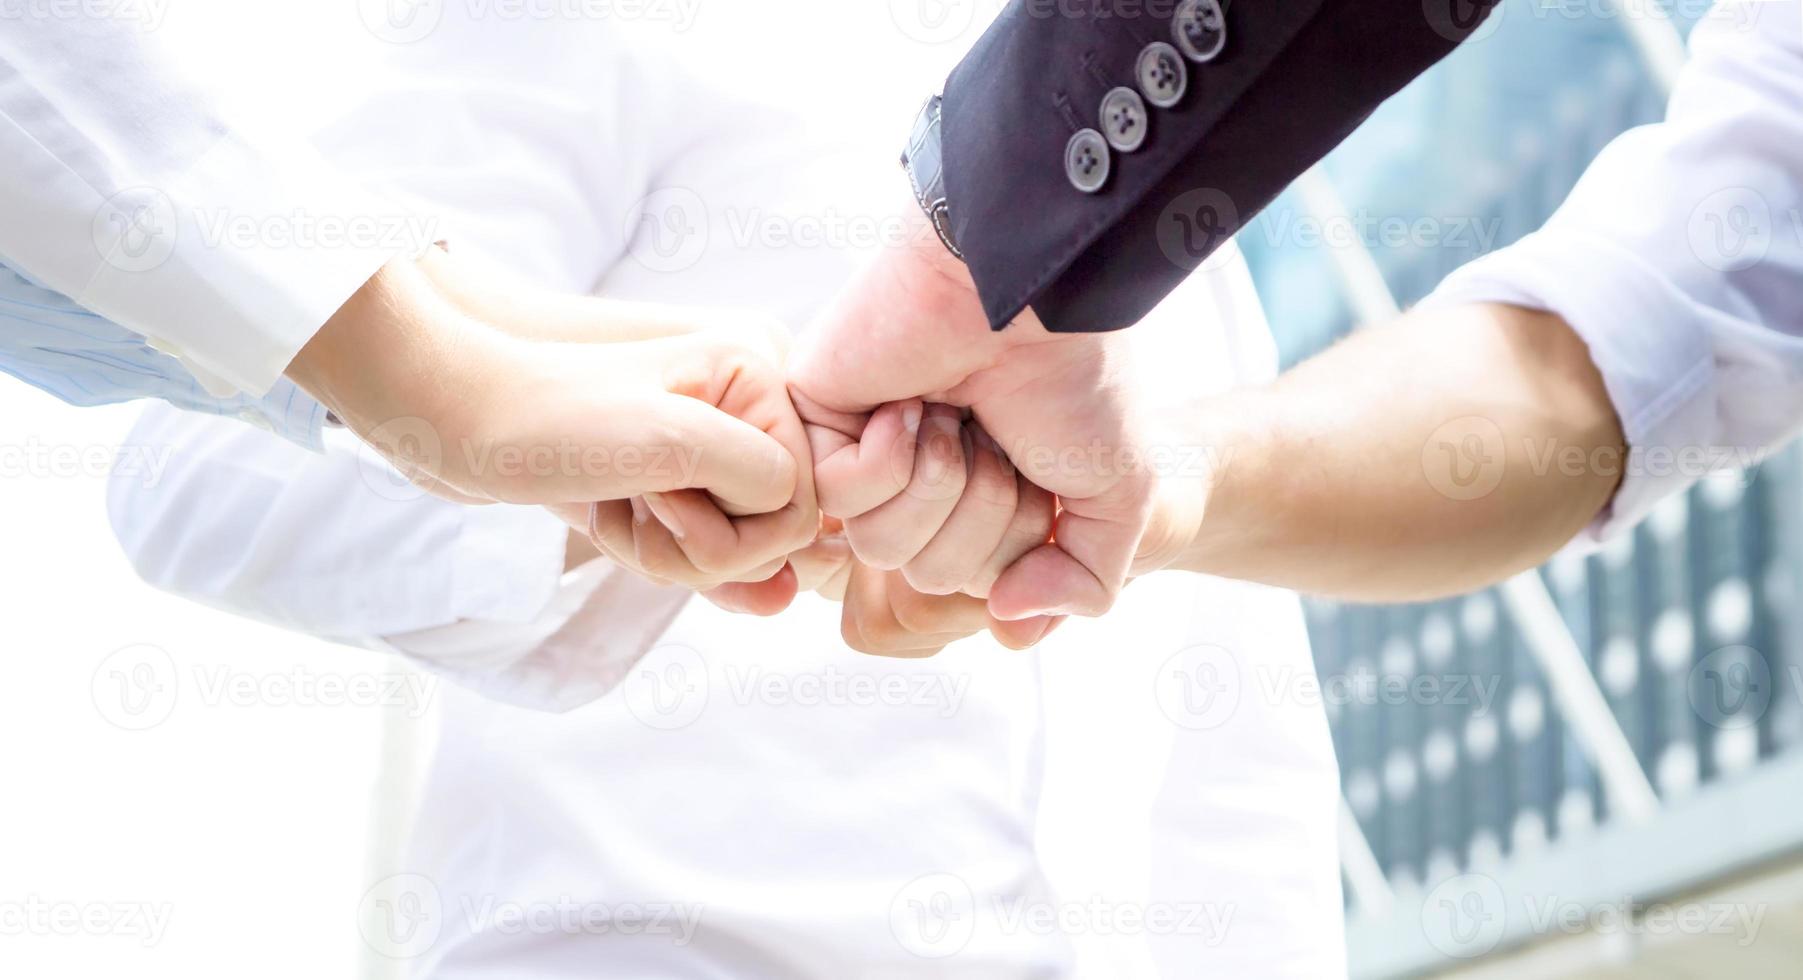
pixel 924 160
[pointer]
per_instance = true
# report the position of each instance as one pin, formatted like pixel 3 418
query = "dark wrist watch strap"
pixel 924 160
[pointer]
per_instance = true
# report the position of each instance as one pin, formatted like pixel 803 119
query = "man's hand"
pixel 965 516
pixel 1423 458
pixel 1061 407
pixel 883 615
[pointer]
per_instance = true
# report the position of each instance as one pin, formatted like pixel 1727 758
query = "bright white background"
pixel 245 820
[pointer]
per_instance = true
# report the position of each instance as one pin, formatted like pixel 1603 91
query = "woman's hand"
pixel 478 414
pixel 687 533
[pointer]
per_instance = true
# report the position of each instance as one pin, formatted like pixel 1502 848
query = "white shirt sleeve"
pixel 339 545
pixel 124 186
pixel 1679 260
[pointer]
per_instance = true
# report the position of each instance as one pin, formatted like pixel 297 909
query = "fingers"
pixel 824 565
pixel 895 532
pixel 964 517
pixel 713 415
pixel 747 469
pixel 883 616
pixel 689 539
pixel 1030 527
pixel 756 393
pixel 974 532
pixel 704 533
pixel 765 598
pixel 1025 633
pixel 861 462
pixel 1084 568
pixel 681 538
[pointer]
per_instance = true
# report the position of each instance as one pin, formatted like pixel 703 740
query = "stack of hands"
pixel 939 477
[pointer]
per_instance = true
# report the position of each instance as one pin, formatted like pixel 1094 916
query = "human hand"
pixel 964 515
pixel 882 614
pixel 479 414
pixel 1062 407
pixel 886 615
pixel 693 537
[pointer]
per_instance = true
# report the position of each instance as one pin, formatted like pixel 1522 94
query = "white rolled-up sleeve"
pixel 339 545
pixel 1678 258
pixel 130 190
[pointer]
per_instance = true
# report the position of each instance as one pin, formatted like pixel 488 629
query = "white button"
pixel 1163 75
pixel 1086 161
pixel 1200 28
pixel 1124 119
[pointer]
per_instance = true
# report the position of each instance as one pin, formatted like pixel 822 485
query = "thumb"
pixel 745 468
pixel 1085 566
pixel 861 467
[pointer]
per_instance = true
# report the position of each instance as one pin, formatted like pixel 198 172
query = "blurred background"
pixel 1588 772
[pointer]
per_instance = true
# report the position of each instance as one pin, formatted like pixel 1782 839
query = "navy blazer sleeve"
pixel 1090 203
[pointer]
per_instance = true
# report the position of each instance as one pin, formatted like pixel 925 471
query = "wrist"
pixel 1214 501
pixel 1185 480
pixel 387 353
